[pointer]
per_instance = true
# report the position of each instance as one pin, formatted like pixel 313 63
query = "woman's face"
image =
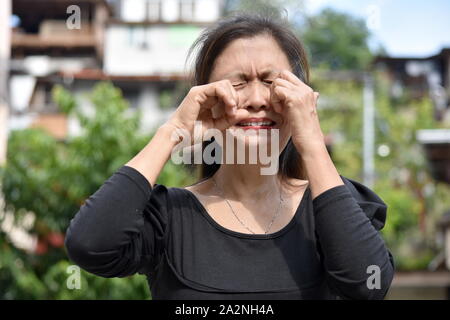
pixel 251 64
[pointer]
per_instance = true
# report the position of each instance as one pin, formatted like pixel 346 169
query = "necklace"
pixel 240 221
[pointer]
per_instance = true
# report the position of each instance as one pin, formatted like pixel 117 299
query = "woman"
pixel 303 232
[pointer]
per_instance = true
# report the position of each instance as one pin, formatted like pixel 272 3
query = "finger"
pixel 218 90
pixel 275 100
pixel 289 76
pixel 284 83
pixel 232 91
pixel 316 96
pixel 222 123
pixel 282 93
pixel 218 110
pixel 205 116
pixel 225 92
pixel 209 102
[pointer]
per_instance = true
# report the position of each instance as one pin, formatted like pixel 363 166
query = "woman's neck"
pixel 241 181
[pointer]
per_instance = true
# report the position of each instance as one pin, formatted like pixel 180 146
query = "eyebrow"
pixel 243 75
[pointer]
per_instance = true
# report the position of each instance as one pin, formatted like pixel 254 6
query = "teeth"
pixel 267 123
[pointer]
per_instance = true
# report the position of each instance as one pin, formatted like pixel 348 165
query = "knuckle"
pixel 226 82
pixel 194 90
pixel 277 81
pixel 220 86
pixel 223 84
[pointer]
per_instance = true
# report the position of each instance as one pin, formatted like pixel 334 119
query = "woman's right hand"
pixel 214 104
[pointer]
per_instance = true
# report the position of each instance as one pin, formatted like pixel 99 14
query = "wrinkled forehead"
pixel 253 57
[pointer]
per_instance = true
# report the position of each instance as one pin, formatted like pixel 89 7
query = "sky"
pixel 405 28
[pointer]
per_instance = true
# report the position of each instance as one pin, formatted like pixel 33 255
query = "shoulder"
pixel 361 192
pixel 167 193
pixel 164 201
pixel 373 206
pixel 200 189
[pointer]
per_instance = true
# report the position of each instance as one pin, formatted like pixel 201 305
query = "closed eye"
pixel 268 81
pixel 236 85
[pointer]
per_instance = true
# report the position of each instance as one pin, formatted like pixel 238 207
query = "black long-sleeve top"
pixel 324 252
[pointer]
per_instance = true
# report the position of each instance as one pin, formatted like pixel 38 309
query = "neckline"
pixel 272 235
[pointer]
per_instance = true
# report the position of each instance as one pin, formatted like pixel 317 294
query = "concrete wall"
pixel 144 50
pixel 170 10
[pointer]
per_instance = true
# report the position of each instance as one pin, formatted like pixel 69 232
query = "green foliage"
pixel 415 201
pixel 337 40
pixel 341 117
pixel 402 176
pixel 171 97
pixel 334 40
pixel 53 178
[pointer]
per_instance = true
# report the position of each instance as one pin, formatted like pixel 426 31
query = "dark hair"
pixel 214 40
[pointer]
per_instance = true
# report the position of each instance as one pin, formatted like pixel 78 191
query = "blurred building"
pixel 42 46
pixel 421 76
pixel 5 40
pixel 139 45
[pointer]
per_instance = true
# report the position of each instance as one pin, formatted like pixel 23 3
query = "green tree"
pixel 415 201
pixel 333 39
pixel 52 179
pixel 336 40
pixel 403 179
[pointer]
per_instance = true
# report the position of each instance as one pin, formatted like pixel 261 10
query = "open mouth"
pixel 255 123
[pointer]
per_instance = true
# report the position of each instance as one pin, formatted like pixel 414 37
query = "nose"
pixel 257 96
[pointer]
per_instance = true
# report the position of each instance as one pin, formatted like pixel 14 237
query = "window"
pixel 187 10
pixel 153 10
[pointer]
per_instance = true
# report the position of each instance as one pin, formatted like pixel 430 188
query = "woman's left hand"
pixel 297 102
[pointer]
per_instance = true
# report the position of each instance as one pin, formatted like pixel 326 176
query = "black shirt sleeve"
pixel 347 219
pixel 109 236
